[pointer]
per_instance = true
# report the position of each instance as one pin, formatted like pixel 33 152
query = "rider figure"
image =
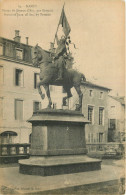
pixel 60 51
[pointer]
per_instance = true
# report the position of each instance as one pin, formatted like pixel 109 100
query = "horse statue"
pixel 49 74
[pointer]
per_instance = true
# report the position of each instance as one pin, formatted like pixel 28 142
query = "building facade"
pixel 19 96
pixel 94 108
pixel 116 118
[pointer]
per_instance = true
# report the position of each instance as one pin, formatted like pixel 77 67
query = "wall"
pixel 9 92
pixel 96 102
pixel 117 113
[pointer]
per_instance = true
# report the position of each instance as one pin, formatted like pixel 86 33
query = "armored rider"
pixel 60 52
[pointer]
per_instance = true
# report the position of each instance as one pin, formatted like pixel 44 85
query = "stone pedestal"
pixel 58 144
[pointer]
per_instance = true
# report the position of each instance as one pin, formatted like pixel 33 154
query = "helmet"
pixel 63 37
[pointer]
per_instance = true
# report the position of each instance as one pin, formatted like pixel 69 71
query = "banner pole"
pixel 58 24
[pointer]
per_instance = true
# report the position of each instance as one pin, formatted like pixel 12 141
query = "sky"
pixel 97 30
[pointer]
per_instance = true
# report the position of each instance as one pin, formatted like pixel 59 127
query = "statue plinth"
pixel 58 144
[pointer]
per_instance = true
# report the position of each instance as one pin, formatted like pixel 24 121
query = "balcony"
pixel 10 153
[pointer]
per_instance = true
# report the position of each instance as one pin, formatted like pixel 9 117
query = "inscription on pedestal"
pixel 66 137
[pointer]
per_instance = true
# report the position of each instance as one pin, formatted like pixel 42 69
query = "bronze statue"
pixel 49 75
pixel 59 56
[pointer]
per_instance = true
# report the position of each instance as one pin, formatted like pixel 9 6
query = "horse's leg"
pixel 39 90
pixel 80 94
pixel 68 91
pixel 46 86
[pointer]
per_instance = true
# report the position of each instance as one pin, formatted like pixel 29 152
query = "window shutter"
pixel 19 110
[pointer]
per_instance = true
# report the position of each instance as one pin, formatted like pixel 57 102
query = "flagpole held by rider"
pixel 54 66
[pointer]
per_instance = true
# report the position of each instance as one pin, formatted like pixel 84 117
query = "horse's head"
pixel 36 55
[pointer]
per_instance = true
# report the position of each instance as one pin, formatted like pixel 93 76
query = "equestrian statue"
pixel 54 72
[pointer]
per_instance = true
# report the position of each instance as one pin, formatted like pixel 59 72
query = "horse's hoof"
pixel 43 96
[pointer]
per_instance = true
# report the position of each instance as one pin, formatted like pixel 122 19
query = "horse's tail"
pixel 83 78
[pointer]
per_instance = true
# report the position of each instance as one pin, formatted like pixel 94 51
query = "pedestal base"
pixel 58 144
pixel 56 165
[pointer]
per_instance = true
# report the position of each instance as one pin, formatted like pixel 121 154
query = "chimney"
pixel 27 40
pixel 17 38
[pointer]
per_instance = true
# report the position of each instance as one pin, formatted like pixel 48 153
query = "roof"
pixel 10 47
pixel 15 44
pixel 88 83
pixel 15 41
pixel 120 99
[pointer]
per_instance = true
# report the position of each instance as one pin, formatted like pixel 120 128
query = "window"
pixel 97 137
pixel 91 114
pixel 54 105
pixel 9 49
pixel 1 49
pixel 113 124
pixel 65 102
pixel 1 107
pixel 30 138
pixel 7 137
pixel 18 109
pixel 100 137
pixel 52 88
pixel 112 107
pixel 36 106
pixel 90 93
pixel 1 75
pixel 101 116
pixel 101 94
pixel 18 77
pixel 63 90
pixel 89 138
pixel 36 79
pixel 19 54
